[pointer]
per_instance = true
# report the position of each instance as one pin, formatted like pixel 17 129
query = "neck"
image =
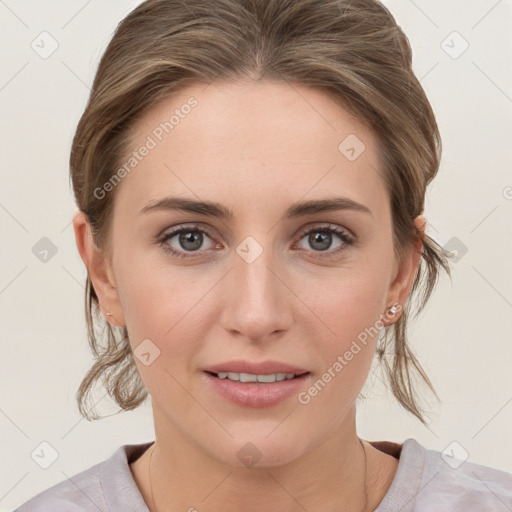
pixel 332 477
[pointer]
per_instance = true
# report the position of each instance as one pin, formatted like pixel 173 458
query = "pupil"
pixel 320 236
pixel 193 237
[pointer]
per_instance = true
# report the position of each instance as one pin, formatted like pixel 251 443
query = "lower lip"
pixel 257 394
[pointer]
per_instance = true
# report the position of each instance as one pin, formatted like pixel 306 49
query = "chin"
pixel 259 450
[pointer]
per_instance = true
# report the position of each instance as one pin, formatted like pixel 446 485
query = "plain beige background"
pixel 462 339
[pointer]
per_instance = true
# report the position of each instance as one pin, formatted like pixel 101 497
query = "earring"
pixel 108 312
pixel 393 309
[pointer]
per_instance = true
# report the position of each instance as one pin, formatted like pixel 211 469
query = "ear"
pixel 99 269
pixel 401 286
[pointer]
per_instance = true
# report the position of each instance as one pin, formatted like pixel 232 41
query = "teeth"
pixel 250 377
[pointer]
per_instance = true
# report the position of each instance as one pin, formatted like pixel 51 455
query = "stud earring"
pixel 109 313
pixel 393 309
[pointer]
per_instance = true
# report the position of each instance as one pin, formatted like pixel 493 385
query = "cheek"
pixel 168 306
pixel 350 311
pixel 349 301
pixel 153 295
pixel 160 321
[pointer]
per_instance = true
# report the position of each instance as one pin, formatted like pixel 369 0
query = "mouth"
pixel 257 378
pixel 256 390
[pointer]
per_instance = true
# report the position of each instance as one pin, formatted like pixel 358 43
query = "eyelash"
pixel 342 234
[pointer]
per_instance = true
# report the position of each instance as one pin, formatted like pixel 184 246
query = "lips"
pixel 256 394
pixel 261 368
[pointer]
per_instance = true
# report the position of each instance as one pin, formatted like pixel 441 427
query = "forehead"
pixel 246 139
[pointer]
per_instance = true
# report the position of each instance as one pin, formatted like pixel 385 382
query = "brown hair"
pixel 352 50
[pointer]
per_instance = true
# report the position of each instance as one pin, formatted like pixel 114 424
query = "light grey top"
pixel 425 481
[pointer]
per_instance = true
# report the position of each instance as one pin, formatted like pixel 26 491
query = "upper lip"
pixel 261 368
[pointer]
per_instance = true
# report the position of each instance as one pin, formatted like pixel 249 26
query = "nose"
pixel 258 302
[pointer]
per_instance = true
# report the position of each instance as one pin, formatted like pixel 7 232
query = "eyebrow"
pixel 213 209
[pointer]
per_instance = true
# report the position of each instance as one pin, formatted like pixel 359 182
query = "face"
pixel 303 289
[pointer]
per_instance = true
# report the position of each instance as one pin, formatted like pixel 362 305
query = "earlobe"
pixel 99 270
pixel 404 279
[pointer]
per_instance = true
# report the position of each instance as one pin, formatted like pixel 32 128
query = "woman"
pixel 251 177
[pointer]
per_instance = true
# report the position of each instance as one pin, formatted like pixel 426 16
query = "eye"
pixel 188 239
pixel 320 238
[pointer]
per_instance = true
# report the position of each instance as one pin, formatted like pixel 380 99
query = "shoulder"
pixel 432 480
pixel 463 484
pixel 107 485
pixel 81 492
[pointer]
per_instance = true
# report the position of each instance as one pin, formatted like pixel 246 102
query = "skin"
pixel 255 147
